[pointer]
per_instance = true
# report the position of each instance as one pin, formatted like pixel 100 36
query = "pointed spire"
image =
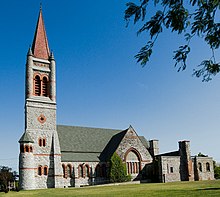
pixel 40 46
pixel 51 56
pixel 29 52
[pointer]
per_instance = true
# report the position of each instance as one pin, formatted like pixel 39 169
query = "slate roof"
pixel 174 153
pixel 87 144
pixel 90 144
pixel 25 138
pixel 144 142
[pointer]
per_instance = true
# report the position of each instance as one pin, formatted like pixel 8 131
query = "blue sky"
pixel 99 83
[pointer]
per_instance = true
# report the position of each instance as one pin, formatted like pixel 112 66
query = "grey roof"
pixel 25 138
pixel 174 153
pixel 87 144
pixel 80 157
pixel 90 144
pixel 144 141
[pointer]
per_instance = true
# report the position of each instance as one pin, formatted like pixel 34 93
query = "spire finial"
pixel 40 5
pixel 29 51
pixel 51 55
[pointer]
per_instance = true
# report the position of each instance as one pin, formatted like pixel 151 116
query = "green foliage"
pixel 118 171
pixel 216 170
pixel 6 175
pixel 191 18
pixel 202 155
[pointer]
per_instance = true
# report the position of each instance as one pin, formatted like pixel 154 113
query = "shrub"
pixel 118 171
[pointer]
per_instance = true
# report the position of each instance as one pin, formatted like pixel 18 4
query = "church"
pixel 58 156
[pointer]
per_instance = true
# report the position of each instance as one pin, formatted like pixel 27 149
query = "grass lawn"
pixel 198 188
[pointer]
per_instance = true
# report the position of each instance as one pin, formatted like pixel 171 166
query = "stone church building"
pixel 57 156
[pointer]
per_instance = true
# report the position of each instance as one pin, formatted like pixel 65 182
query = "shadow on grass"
pixel 211 188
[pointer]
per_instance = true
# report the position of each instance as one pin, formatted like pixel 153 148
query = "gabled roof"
pixel 86 144
pixel 40 46
pixel 25 138
pixel 144 141
pixel 112 145
pixel 90 144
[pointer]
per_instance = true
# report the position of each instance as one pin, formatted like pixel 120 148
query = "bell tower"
pixel 40 167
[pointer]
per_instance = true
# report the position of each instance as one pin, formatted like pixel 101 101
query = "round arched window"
pixel 132 163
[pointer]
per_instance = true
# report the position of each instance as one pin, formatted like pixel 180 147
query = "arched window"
pixel 45 170
pixel 31 149
pixel 103 170
pixel 207 167
pixel 200 166
pixel 40 142
pixel 80 169
pixel 98 171
pixel 44 142
pixel 87 171
pixel 131 167
pixel 73 172
pixel 26 148
pixel 128 168
pixel 137 166
pixel 37 86
pixel 40 170
pixel 22 148
pixel 44 87
pixel 132 162
pixel 64 171
pixel 69 172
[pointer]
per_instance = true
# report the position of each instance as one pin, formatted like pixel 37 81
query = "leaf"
pixel 132 10
pixel 187 36
pixel 209 68
pixel 196 17
pixel 177 18
pixel 181 56
pixel 154 25
pixel 213 36
pixel 144 54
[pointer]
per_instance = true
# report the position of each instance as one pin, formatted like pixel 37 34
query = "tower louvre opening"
pixel 37 86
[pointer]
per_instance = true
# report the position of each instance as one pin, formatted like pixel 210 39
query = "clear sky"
pixel 99 83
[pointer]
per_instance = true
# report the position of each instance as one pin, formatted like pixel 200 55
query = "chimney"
pixel 154 147
pixel 185 160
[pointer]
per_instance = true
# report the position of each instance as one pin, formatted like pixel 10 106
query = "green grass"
pixel 199 188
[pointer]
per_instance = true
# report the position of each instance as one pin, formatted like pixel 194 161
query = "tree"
pixel 201 155
pixel 193 18
pixel 216 170
pixel 117 171
pixel 6 175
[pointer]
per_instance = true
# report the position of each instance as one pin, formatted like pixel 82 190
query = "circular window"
pixel 41 119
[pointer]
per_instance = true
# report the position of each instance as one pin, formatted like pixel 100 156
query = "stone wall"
pixel 154 147
pixel 41 124
pixel 131 142
pixel 204 169
pixel 169 168
pixel 26 171
pixel 186 167
pixel 77 181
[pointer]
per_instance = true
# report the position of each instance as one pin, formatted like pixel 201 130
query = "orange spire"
pixel 40 46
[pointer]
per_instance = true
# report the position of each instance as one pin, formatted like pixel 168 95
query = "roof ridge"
pixel 87 127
